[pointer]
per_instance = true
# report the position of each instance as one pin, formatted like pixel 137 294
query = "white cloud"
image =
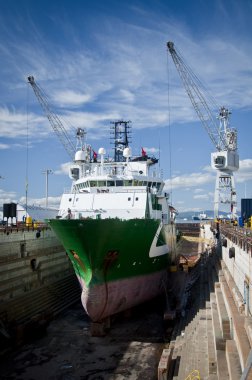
pixel 11 196
pixel 128 96
pixel 7 196
pixel 64 169
pixel 245 171
pixel 246 164
pixel 201 196
pixel 189 180
pixel 16 124
pixel 196 191
pixel 4 146
pixel 71 98
pixel 52 201
pixel 123 82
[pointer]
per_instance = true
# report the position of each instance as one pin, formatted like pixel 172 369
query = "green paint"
pixel 110 249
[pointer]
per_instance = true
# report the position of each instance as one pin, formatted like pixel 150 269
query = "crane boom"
pixel 218 132
pixel 54 120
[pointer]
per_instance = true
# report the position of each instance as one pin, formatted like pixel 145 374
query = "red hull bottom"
pixel 101 301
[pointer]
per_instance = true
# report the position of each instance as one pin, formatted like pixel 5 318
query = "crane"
pixel 56 123
pixel 226 159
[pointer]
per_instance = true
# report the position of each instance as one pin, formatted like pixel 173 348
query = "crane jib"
pixel 53 118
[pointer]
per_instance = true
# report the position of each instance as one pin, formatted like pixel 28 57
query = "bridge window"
pixel 220 160
pixel 119 183
pixel 83 184
pixel 128 182
pixel 101 183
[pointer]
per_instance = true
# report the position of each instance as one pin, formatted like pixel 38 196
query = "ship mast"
pixel 121 132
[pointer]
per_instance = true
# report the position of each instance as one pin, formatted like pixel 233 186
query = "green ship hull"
pixel 119 263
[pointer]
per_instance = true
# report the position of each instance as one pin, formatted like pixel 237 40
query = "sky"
pixel 102 61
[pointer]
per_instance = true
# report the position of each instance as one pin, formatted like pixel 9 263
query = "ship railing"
pixel 118 168
pixel 122 168
pixel 22 227
pixel 106 190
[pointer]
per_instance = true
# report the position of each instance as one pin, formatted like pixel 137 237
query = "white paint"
pixel 161 250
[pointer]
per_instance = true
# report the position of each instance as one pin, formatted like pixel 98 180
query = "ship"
pixel 201 216
pixel 195 217
pixel 117 226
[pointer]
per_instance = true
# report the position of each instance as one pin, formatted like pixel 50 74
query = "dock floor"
pixel 131 349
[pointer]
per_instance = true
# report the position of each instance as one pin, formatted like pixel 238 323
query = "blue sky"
pixel 101 61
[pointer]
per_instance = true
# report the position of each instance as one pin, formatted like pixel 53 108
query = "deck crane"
pixel 56 123
pixel 226 159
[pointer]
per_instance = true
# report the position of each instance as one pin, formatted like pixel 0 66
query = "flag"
pixel 143 152
pixel 94 156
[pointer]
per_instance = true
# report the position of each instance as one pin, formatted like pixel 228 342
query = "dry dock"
pixel 131 349
pixel 209 338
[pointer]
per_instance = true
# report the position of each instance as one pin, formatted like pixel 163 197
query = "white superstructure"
pixel 125 190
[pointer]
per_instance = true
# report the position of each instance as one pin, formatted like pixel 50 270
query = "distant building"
pixel 37 213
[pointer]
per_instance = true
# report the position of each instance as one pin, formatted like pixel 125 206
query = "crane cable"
pixel 169 125
pixel 27 151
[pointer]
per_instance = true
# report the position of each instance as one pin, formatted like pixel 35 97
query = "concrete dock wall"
pixel 240 264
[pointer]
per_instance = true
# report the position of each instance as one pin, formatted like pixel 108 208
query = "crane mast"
pixel 226 159
pixel 55 121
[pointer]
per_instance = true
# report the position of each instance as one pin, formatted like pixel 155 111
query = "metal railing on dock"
pixel 240 236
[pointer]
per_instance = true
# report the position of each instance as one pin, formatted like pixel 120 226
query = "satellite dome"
pixel 126 152
pixel 102 151
pixel 80 155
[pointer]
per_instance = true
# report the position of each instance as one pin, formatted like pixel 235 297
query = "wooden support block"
pixel 99 328
pixel 164 363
